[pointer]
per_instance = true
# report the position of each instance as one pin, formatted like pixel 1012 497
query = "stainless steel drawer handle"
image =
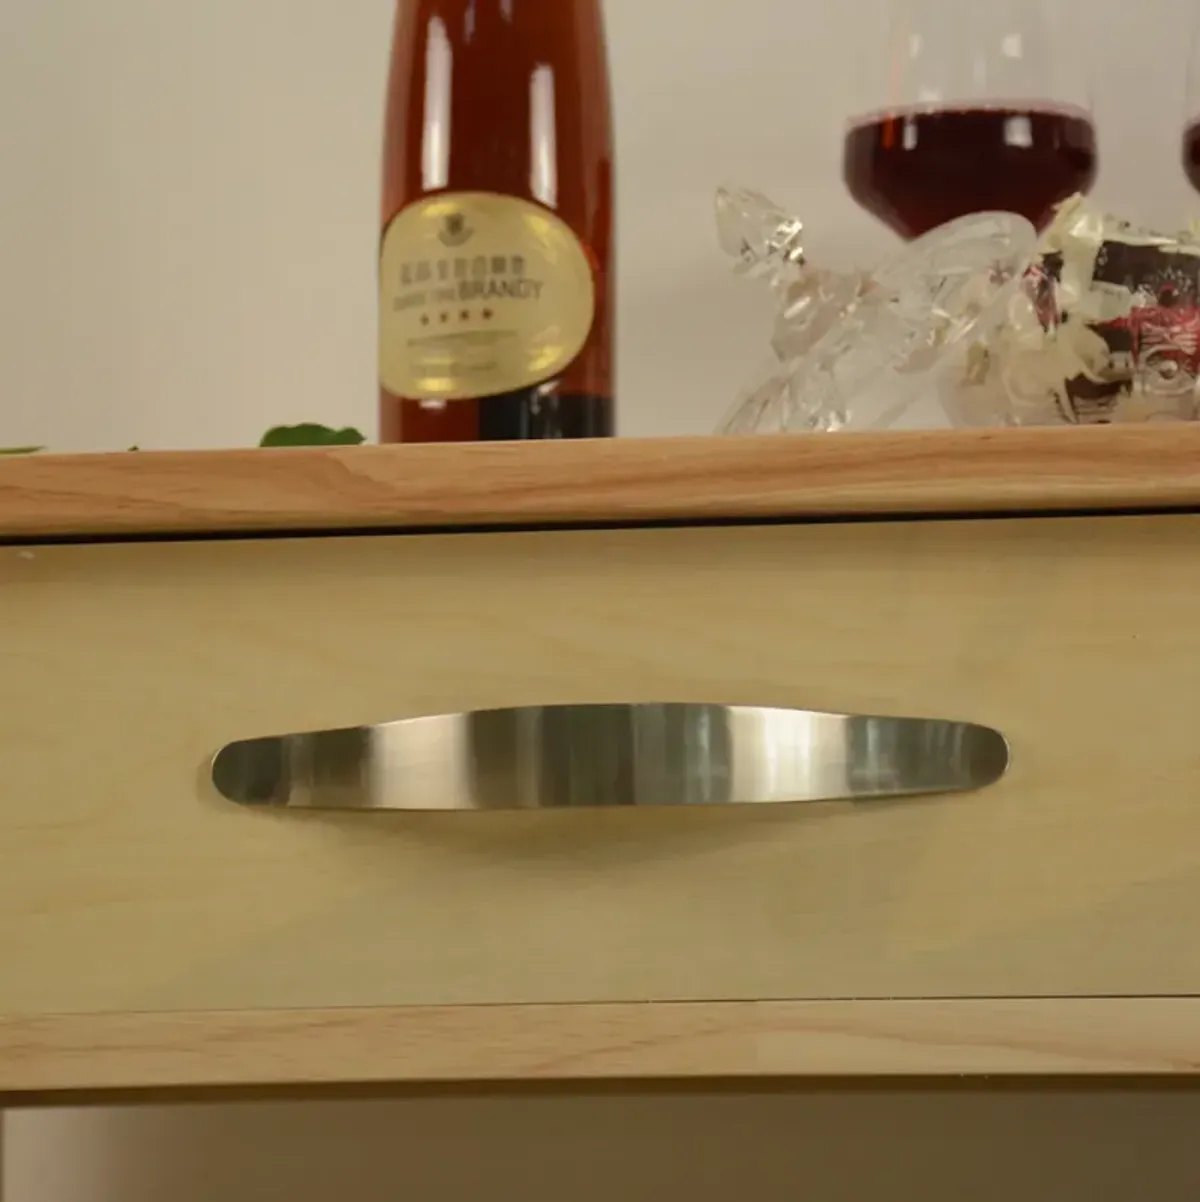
pixel 611 755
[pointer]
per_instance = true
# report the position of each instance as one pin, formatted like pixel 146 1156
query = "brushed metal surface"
pixel 611 755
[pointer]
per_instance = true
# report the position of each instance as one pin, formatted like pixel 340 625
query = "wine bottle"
pixel 496 262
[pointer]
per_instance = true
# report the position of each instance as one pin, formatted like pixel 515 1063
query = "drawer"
pixel 126 884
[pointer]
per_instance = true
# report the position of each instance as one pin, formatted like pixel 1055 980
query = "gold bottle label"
pixel 480 294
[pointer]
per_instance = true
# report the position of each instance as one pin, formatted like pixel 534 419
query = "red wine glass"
pixel 1191 129
pixel 967 108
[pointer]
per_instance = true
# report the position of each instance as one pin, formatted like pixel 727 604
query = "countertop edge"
pixel 621 481
pixel 48 1057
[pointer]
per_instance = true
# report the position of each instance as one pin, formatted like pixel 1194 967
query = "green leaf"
pixel 20 450
pixel 311 435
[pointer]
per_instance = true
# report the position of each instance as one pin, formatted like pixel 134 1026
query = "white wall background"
pixel 188 225
pixel 187 240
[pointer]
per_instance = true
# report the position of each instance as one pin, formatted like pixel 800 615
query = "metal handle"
pixel 611 755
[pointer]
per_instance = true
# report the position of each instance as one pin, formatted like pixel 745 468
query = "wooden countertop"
pixel 619 481
pixel 91 1056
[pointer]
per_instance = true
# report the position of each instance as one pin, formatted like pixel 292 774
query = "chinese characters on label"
pixel 463 279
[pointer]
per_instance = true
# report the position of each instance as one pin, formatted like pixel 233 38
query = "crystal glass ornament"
pixel 839 335
pixel 1105 329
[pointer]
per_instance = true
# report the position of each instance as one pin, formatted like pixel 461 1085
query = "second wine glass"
pixel 1191 128
pixel 968 107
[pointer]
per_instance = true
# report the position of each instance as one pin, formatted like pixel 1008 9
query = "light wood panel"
pixel 126 886
pixel 972 471
pixel 634 1043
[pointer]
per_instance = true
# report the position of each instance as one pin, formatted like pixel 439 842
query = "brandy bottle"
pixel 496 264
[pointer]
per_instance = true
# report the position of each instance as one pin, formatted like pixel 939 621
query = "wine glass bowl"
pixel 1191 151
pixel 1191 128
pixel 968 109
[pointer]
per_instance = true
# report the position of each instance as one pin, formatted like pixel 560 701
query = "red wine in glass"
pixel 1191 154
pixel 919 168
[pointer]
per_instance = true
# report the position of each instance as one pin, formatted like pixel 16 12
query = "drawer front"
pixel 126 883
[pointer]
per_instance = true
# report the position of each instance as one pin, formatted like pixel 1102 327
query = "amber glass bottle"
pixel 496 267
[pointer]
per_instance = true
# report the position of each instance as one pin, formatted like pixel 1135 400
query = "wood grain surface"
pixel 619 481
pixel 647 1043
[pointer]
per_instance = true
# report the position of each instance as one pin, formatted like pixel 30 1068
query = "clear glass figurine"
pixel 837 334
